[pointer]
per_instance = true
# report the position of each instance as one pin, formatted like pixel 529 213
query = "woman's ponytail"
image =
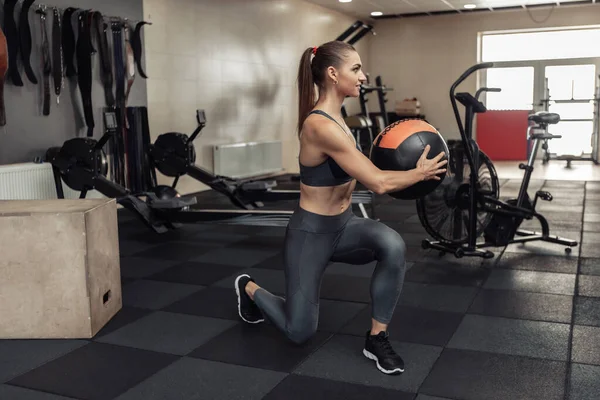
pixel 306 88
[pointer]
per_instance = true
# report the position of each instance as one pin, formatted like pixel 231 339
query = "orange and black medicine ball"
pixel 400 146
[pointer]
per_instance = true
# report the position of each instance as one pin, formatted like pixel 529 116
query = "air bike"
pixel 466 204
pixel 173 154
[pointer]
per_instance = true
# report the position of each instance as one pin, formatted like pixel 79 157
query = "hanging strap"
pixel 129 63
pixel 12 37
pixel 136 44
pixel 84 67
pixel 25 40
pixel 57 55
pixel 68 41
pixel 117 31
pixel 106 73
pixel 46 66
pixel 3 69
pixel 120 138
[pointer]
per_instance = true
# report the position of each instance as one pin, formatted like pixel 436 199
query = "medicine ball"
pixel 400 146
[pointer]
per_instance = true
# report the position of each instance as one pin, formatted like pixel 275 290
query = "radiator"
pixel 245 160
pixel 30 181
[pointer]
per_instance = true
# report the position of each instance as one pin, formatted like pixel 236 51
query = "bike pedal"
pixel 542 194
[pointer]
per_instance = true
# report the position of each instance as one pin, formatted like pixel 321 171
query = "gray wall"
pixel 28 133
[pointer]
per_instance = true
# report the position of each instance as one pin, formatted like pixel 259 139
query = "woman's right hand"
pixel 431 168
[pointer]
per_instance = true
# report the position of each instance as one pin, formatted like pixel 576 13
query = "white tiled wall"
pixel 237 59
pixel 422 57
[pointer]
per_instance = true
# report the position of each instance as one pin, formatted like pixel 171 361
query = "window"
pixel 545 45
pixel 516 84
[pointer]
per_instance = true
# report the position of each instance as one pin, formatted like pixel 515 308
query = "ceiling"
pixel 399 8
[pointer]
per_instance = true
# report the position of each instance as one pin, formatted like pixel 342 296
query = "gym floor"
pixel 524 325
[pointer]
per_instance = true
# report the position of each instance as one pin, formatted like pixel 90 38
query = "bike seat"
pixel 544 117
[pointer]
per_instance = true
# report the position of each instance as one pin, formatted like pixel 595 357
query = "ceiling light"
pixel 376 14
pixel 470 6
pixel 345 1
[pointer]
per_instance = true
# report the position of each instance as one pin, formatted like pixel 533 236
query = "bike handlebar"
pixel 484 89
pixel 467 73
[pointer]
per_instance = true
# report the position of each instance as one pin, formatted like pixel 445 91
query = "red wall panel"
pixel 502 134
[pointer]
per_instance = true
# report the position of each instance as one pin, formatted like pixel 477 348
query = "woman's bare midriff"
pixel 328 200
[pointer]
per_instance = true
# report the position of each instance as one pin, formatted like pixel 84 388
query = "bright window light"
pixel 547 45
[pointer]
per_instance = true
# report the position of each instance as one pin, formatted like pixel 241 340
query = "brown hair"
pixel 311 73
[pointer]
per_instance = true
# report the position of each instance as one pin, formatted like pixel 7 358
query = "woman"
pixel 323 227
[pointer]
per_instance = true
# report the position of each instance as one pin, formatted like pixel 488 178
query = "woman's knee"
pixel 300 335
pixel 392 246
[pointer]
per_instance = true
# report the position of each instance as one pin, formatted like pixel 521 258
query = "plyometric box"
pixel 59 268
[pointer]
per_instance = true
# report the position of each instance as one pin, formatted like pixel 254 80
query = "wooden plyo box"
pixel 59 268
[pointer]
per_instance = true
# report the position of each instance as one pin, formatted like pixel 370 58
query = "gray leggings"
pixel 312 241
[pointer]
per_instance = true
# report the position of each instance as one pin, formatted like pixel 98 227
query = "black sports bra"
pixel 328 173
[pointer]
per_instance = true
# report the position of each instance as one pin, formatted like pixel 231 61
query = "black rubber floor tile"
pixel 437 297
pixel 213 302
pixel 447 273
pixel 543 248
pixel 534 262
pixel 549 184
pixel 585 348
pixel 184 232
pixel 589 217
pixel 362 271
pixel 128 248
pixel 585 382
pixel 274 262
pixel 176 251
pixel 555 226
pixel 587 311
pixel 592 206
pixel 346 288
pixel 16 393
pixel 155 295
pixel 590 266
pixel 409 324
pixel 523 305
pixel 334 315
pixel 263 242
pixel 473 375
pixel 190 378
pixel 591 227
pixel 170 333
pixel 590 251
pixel 195 273
pixel 95 372
pixel 297 387
pixel 269 279
pixel 237 257
pixel 125 316
pixel 136 267
pixel 589 286
pixel 260 346
pixel 532 281
pixel 20 356
pixel 215 239
pixel 341 359
pixel 497 335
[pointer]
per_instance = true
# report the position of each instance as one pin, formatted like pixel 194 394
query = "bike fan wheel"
pixel 444 213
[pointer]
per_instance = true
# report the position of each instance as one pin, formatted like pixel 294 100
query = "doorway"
pixel 566 87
